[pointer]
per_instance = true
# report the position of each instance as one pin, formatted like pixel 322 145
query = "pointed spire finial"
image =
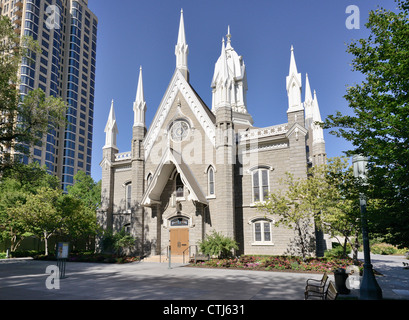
pixel 308 96
pixel 182 49
pixel 111 129
pixel 181 35
pixel 228 36
pixel 139 106
pixel 293 65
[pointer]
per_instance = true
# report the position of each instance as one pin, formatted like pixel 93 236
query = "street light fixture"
pixel 369 289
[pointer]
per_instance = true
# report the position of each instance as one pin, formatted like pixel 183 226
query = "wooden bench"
pixel 201 257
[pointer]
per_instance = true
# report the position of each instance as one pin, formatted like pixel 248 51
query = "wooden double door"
pixel 179 241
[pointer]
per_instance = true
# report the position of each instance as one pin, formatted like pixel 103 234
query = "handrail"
pixel 167 253
pixel 190 253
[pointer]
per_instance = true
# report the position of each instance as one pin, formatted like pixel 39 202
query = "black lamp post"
pixel 369 289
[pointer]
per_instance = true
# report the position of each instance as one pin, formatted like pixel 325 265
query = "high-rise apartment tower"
pixel 66 30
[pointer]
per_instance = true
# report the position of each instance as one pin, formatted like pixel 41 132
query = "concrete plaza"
pixel 27 280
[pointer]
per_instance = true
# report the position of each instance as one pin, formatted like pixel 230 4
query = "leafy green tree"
pixel 86 190
pixel 17 184
pixel 342 215
pixel 39 214
pixel 24 119
pixel 298 207
pixel 379 125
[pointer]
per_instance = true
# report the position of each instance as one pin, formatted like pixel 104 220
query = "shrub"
pixel 218 245
pixel 118 242
pixel 337 251
pixel 383 248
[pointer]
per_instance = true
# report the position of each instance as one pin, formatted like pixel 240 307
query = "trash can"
pixel 340 281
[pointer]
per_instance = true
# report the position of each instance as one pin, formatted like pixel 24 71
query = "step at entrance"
pixel 164 259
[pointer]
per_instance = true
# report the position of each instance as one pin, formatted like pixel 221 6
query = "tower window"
pixel 260 185
pixel 179 187
pixel 128 196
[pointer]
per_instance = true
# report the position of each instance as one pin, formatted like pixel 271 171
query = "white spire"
pixel 308 103
pixel 181 35
pixel 111 129
pixel 308 96
pixel 316 110
pixel 139 106
pixel 228 36
pixel 229 82
pixel 294 86
pixel 318 132
pixel 224 67
pixel 182 49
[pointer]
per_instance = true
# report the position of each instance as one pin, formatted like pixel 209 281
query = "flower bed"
pixel 279 263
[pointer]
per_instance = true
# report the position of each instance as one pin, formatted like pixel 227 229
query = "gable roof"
pixel 202 113
pixel 170 160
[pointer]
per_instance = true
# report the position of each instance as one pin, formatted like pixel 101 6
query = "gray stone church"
pixel 197 169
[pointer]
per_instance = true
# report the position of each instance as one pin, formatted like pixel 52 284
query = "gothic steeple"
pixel 229 83
pixel 308 103
pixel 294 86
pixel 318 135
pixel 182 49
pixel 111 129
pixel 139 106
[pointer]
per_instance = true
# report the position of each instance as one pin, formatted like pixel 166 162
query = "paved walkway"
pixel 26 280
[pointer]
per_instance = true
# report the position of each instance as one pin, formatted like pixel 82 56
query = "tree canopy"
pixel 379 125
pixel 24 118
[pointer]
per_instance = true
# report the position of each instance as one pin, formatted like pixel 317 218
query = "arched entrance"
pixel 179 235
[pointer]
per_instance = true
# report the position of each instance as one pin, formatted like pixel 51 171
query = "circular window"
pixel 179 130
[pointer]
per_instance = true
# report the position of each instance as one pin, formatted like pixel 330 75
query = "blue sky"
pixel 134 33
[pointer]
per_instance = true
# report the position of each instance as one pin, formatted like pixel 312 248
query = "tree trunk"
pixel 356 247
pixel 46 243
pixel 344 254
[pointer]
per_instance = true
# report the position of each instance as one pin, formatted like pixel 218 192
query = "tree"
pixel 327 200
pixel 379 125
pixel 299 206
pixel 79 208
pixel 342 216
pixel 40 214
pixel 86 190
pixel 24 119
pixel 16 185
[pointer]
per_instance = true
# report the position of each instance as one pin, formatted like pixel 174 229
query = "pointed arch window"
pixel 210 181
pixel 180 188
pixel 149 179
pixel 128 196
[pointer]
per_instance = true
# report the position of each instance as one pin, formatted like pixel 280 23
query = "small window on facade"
pixel 149 179
pixel 210 177
pixel 260 185
pixel 179 187
pixel 128 194
pixel 127 228
pixel 262 231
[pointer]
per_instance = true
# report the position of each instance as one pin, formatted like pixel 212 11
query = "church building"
pixel 198 169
